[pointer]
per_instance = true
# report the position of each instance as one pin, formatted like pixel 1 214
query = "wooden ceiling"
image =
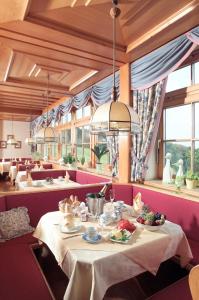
pixel 71 40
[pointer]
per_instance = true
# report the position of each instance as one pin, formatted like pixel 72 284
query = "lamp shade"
pixel 115 117
pixel 46 135
pixel 11 141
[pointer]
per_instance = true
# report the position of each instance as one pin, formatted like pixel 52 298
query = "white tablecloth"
pixel 4 167
pixel 94 268
pixel 21 176
pixel 13 173
pixel 57 184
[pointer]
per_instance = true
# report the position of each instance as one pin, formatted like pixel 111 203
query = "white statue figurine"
pixel 180 176
pixel 167 172
pixel 180 170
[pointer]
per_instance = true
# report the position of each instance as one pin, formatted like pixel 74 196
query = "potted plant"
pixel 82 160
pixel 99 151
pixel 70 160
pixel 191 180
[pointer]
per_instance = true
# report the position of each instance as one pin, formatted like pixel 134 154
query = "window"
pixel 65 139
pixel 179 79
pixel 83 112
pixel 180 138
pixel 103 140
pixel 66 118
pixel 83 143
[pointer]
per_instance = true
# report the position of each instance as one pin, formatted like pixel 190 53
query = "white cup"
pixel 91 232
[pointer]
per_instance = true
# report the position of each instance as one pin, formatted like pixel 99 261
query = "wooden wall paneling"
pixel 125 141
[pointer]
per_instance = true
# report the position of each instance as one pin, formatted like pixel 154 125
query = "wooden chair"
pixel 194 282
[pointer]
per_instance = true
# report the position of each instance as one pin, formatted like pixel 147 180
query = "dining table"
pixel 93 267
pixel 44 184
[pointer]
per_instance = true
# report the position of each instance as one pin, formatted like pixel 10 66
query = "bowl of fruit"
pixel 151 220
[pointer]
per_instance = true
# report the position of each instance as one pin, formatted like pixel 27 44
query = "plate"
pixel 150 227
pixel 95 239
pixel 72 230
pixel 128 237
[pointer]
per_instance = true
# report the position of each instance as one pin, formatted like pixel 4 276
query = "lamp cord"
pixel 114 12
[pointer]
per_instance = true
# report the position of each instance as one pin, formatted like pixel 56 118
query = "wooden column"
pixel 125 141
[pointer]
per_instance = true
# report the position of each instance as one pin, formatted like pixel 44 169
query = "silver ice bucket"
pixel 95 204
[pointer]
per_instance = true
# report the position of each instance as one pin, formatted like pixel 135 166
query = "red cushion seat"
pixel 195 251
pixel 20 275
pixel 27 239
pixel 178 290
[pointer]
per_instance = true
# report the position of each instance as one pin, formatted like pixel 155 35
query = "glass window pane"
pixel 196 120
pixel 69 117
pixel 178 151
pixel 63 150
pixel 177 122
pixel 79 113
pixel 102 138
pixel 196 158
pixel 87 111
pixel 179 79
pixel 79 135
pixel 86 134
pixel 63 137
pixel 197 72
pixel 68 149
pixel 68 136
pixel 87 152
pixel 79 151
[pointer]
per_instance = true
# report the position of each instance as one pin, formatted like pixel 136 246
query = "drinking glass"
pixel 112 195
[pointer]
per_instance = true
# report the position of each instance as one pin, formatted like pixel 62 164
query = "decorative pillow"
pixel 14 222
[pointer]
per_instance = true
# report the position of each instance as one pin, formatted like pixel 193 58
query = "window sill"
pixel 157 185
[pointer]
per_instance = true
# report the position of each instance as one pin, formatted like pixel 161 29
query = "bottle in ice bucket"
pixel 102 192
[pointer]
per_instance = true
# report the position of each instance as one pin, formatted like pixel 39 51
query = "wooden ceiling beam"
pixel 64 89
pixel 13 10
pixel 20 111
pixel 20 96
pixel 6 57
pixel 184 11
pixel 50 53
pixel 38 6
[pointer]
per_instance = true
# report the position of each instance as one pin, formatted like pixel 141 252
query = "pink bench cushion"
pixel 195 250
pixel 87 178
pixel 47 166
pixel 124 192
pixel 2 203
pixel 178 290
pixel 20 276
pixel 42 202
pixel 27 239
pixel 39 175
pixel 25 167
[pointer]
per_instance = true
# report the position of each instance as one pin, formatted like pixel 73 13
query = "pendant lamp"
pixel 114 117
pixel 47 134
pixel 11 139
pixel 30 140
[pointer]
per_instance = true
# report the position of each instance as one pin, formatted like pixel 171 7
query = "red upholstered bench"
pixel 178 290
pixel 20 276
pixel 43 174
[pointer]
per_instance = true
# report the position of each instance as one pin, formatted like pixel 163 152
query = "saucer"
pixel 94 240
pixel 72 230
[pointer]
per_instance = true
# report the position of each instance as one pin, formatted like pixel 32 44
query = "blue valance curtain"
pixel 99 93
pixel 148 82
pixel 156 65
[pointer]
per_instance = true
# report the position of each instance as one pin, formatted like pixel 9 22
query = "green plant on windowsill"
pixel 82 160
pixel 69 159
pixel 191 180
pixel 99 151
